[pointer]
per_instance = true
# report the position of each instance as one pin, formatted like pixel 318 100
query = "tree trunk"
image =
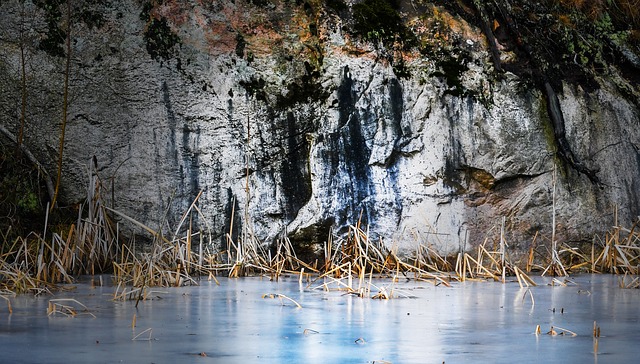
pixel 65 104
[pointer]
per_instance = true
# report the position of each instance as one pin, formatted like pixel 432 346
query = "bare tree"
pixel 65 104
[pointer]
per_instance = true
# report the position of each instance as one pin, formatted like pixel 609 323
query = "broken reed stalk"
pixel 533 301
pixel 525 278
pixel 186 214
pixel 461 270
pixel 596 337
pixel 70 309
pixel 480 268
pixel 310 331
pixel 530 256
pixel 281 297
pixel 555 267
pixel 553 221
pixel 8 303
pixel 635 282
pixel 560 331
pixel 583 260
pixel 518 277
pixel 503 264
pixel 490 256
pixel 136 337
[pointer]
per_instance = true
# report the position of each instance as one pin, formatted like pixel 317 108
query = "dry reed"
pixel 9 308
pixel 282 298
pixel 68 307
pixel 40 261
pixel 92 245
pixel 146 331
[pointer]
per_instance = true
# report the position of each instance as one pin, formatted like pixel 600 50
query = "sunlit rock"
pixel 289 125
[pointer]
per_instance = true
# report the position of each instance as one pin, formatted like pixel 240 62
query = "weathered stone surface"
pixel 292 128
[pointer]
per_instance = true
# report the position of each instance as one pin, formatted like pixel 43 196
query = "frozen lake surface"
pixel 472 322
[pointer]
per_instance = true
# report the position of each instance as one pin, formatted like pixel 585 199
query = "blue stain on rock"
pixel 170 148
pixel 350 158
pixel 403 137
pixel 400 132
pixel 184 159
pixel 171 119
pixel 191 161
pixel 296 178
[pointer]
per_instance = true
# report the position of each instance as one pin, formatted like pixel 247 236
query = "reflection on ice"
pixel 232 323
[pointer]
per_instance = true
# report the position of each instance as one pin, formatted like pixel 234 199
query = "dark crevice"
pixel 505 181
pixel 485 26
pixel 296 179
pixel 233 222
pixel 564 149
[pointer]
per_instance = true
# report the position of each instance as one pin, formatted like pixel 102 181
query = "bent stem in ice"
pixel 281 297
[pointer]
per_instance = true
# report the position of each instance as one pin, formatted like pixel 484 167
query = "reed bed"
pixel 38 262
pixel 492 263
pixel 350 264
pixel 168 262
pixel 179 256
pixel 91 245
pixel 354 261
pixel 620 252
pixel 617 252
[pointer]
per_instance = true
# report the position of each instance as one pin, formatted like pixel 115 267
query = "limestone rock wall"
pixel 289 125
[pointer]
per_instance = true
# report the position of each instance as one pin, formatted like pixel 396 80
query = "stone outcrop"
pixel 289 124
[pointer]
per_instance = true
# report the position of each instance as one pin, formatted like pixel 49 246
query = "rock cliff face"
pixel 291 122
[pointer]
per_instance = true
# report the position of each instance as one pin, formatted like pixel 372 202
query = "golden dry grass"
pixel 37 263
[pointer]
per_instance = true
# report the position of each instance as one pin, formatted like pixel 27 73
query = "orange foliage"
pixel 221 21
pixel 565 20
pixel 592 9
pixel 578 4
pixel 623 10
pixel 631 8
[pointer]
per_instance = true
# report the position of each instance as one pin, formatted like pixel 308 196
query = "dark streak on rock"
pixel 544 83
pixel 232 217
pixel 296 179
pixel 353 156
pixel 564 149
